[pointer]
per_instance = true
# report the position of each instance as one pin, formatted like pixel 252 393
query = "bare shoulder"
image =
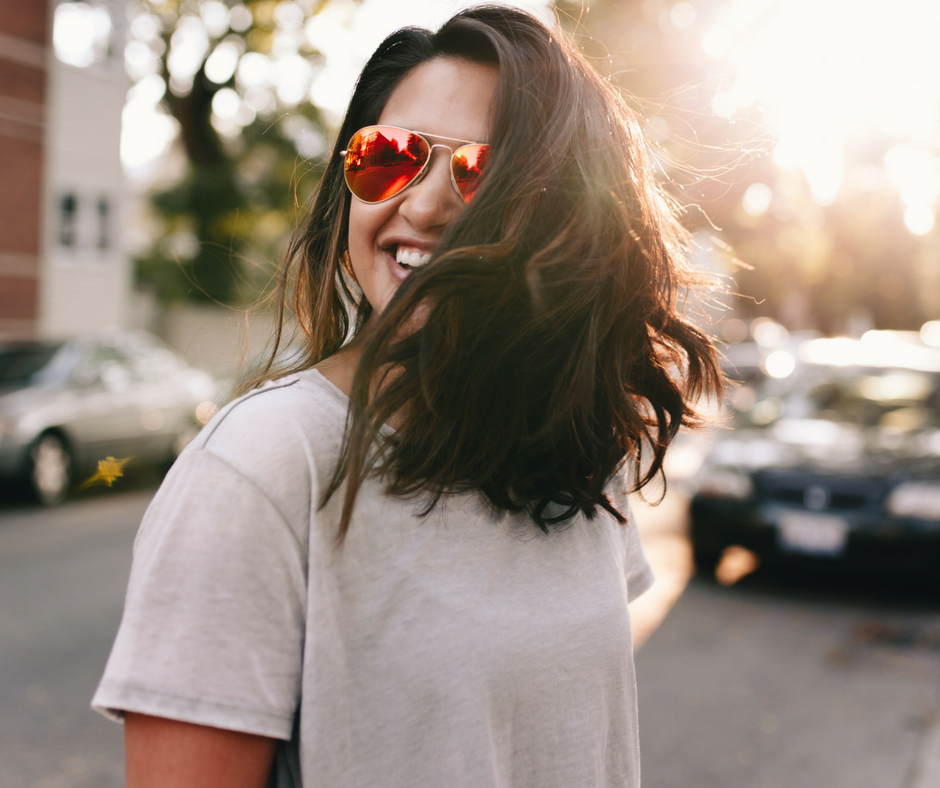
pixel 340 368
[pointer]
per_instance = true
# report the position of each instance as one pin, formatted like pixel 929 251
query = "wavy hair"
pixel 544 346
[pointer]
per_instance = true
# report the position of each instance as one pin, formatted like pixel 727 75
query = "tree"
pixel 815 259
pixel 235 78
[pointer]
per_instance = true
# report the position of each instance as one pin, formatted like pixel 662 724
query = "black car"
pixel 839 462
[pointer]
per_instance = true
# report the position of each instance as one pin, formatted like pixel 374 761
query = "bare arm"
pixel 164 753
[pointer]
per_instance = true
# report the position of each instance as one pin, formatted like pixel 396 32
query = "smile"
pixel 410 258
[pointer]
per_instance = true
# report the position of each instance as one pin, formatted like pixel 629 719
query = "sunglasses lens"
pixel 382 160
pixel 467 166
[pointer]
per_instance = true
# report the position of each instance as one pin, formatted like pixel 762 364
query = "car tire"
pixel 50 469
pixel 706 559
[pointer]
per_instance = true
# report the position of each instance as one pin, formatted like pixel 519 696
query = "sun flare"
pixel 830 72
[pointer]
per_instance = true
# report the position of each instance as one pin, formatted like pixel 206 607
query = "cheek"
pixel 365 221
pixel 368 263
pixel 357 228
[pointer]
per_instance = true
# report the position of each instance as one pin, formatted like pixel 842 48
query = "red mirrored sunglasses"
pixel 380 161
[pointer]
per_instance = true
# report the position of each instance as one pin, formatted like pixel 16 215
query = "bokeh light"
pixel 827 72
pixel 757 199
pixel 930 333
pixel 282 74
pixel 779 364
pixel 80 33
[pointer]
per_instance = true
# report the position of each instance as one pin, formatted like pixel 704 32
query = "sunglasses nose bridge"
pixel 430 162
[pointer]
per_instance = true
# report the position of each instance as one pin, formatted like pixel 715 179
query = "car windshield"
pixel 895 398
pixel 19 364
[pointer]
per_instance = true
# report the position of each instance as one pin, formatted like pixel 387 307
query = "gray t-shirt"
pixel 464 648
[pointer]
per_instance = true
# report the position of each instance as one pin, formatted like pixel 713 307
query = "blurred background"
pixel 154 158
pixel 161 151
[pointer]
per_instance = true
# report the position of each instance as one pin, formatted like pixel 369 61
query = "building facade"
pixel 63 268
pixel 24 31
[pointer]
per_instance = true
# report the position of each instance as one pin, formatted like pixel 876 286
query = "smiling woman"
pixel 388 237
pixel 406 560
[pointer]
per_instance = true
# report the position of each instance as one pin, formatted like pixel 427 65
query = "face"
pixel 442 98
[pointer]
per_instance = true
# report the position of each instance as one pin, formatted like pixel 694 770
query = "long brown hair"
pixel 550 347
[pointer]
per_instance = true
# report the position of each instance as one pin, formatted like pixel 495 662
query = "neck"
pixel 340 368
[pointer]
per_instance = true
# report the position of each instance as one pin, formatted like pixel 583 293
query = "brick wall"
pixel 24 33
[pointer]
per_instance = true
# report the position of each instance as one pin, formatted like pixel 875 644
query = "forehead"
pixel 447 97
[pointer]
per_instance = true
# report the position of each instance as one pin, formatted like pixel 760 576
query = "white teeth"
pixel 413 258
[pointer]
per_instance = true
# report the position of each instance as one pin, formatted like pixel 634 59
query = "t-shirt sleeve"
pixel 639 574
pixel 213 623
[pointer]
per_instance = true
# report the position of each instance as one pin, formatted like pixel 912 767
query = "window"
pixel 104 223
pixel 68 220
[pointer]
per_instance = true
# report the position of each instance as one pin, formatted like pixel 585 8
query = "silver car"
pixel 67 406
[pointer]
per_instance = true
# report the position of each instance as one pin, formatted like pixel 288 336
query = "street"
pixel 62 577
pixel 774 681
pixel 783 680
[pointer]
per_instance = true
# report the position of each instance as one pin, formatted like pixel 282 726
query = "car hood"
pixel 831 447
pixel 14 401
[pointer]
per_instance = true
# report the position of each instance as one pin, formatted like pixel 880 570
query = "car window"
pixel 156 364
pixel 20 365
pixel 113 367
pixel 900 399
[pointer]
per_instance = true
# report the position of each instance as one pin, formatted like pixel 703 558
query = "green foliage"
pixel 224 225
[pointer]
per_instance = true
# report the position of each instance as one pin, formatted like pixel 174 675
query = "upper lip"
pixel 412 243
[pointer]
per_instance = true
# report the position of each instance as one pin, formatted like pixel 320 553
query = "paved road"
pixel 784 681
pixel 62 579
pixel 771 682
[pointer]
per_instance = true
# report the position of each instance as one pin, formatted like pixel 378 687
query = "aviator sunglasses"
pixel 381 161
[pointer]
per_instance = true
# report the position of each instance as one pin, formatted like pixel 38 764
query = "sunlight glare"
pixel 682 15
pixel 222 62
pixel 757 199
pixel 225 103
pixel 828 71
pixel 80 33
pixel 188 46
pixel 930 333
pixel 717 40
pixel 736 563
pixel 918 219
pixel 344 32
pixel 215 16
pixel 146 133
pixel 779 364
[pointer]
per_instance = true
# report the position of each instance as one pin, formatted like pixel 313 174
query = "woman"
pixel 408 562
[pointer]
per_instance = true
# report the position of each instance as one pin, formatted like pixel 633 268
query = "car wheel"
pixel 50 470
pixel 706 559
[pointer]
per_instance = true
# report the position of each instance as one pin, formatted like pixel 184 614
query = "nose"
pixel 433 202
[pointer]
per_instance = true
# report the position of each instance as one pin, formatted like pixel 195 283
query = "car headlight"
pixel 915 499
pixel 725 483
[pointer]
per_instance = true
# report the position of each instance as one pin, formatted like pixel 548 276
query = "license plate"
pixel 813 534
